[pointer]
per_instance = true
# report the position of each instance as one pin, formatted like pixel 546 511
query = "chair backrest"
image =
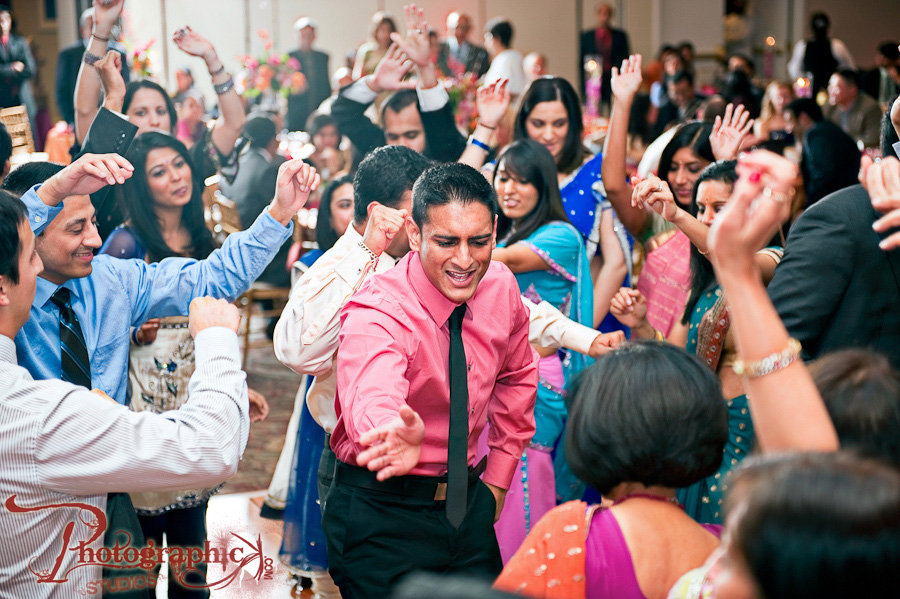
pixel 16 121
pixel 222 216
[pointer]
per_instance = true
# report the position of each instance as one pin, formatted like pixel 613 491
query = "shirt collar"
pixel 7 351
pixel 434 302
pixel 45 290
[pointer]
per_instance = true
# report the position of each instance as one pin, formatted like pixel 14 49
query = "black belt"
pixel 418 487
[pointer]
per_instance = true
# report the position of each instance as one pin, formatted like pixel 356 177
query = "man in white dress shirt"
pixel 64 448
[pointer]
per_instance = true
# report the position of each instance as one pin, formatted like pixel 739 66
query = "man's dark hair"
pixel 5 146
pixel 648 412
pixel 12 214
pixel 260 131
pixel 806 106
pixel 682 75
pixel 399 100
pixel 889 50
pixel 384 176
pixel 451 182
pixel 745 59
pixel 850 76
pixel 861 391
pixel 501 30
pixel 28 175
pixel 819 22
pixel 816 525
pixel 888 133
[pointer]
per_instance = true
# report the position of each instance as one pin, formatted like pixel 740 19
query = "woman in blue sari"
pixel 550 114
pixel 546 253
pixel 704 328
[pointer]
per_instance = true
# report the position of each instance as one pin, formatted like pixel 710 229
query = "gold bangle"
pixel 771 363
pixel 658 336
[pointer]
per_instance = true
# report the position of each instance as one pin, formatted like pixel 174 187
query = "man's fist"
pixel 207 312
pixel 383 225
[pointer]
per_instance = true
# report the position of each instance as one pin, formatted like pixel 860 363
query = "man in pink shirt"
pixel 445 323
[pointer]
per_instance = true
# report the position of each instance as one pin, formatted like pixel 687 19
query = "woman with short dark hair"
pixel 644 420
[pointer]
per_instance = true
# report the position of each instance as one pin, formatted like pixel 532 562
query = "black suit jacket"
pixel 835 288
pixel 620 48
pixel 444 142
pixel 314 65
pixel 11 81
pixel 830 161
pixel 477 60
pixel 67 64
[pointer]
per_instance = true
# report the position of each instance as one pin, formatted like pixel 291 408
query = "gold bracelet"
pixel 658 336
pixel 771 363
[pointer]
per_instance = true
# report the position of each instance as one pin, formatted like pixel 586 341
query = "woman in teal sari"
pixel 546 253
pixel 704 327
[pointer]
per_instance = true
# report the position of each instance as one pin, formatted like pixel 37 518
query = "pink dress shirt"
pixel 394 349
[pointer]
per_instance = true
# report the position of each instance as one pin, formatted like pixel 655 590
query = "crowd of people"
pixel 660 366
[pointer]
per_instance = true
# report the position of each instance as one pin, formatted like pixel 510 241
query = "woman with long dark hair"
pixel 704 327
pixel 550 114
pixel 546 254
pixel 165 219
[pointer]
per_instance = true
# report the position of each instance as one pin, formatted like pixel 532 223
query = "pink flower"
pixel 252 63
pixel 262 33
pixel 268 46
pixel 294 63
pixel 274 60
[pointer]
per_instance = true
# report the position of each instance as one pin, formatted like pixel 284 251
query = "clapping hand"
pixel 655 193
pixel 759 205
pixel 394 448
pixel 391 70
pixel 492 103
pixel 629 306
pixel 627 81
pixel 883 184
pixel 730 133
pixel 416 45
pixel 90 173
pixel 296 180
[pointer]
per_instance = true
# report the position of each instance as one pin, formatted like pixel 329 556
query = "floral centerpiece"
pixel 462 87
pixel 269 72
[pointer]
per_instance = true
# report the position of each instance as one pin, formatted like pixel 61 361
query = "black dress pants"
pixel 376 538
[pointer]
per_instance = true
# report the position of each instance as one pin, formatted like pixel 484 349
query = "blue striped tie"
pixel 76 365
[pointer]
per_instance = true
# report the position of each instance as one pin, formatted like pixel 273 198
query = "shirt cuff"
pixel 500 469
pixel 578 337
pixel 265 226
pixel 352 268
pixel 359 91
pixel 39 214
pixel 216 342
pixel 433 98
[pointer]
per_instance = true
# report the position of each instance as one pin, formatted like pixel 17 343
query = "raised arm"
pixel 227 128
pixel 625 84
pixel 198 445
pixel 87 86
pixel 779 387
pixel 492 103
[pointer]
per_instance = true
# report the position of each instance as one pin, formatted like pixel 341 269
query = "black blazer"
pixel 444 142
pixel 835 288
pixel 11 81
pixel 315 67
pixel 67 64
pixel 830 161
pixel 477 60
pixel 619 51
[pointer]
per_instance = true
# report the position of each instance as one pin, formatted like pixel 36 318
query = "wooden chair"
pixel 222 216
pixel 17 124
pixel 250 309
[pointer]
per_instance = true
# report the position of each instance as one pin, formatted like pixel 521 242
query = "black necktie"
pixel 458 445
pixel 76 365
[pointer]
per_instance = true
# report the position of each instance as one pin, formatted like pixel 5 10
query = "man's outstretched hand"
pixel 394 448
pixel 90 173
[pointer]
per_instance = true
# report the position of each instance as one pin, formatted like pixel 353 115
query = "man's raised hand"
pixel 296 180
pixel 89 173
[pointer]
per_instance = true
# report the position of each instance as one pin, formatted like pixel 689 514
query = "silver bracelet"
pixel 366 249
pixel 224 88
pixel 90 59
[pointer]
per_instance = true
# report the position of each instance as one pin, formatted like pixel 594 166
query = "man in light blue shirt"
pixel 110 295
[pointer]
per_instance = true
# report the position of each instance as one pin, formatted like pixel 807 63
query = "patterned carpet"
pixel 279 385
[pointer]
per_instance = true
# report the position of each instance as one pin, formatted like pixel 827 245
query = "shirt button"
pixel 37 219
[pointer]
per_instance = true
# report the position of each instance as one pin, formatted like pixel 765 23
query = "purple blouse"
pixel 609 570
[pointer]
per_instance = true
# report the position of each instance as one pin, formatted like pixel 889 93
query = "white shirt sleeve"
pixel 548 327
pixel 88 444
